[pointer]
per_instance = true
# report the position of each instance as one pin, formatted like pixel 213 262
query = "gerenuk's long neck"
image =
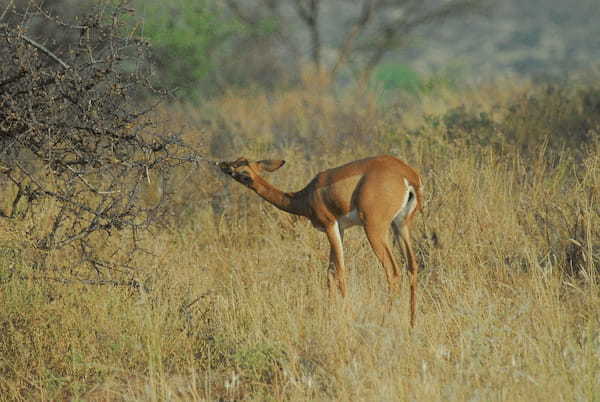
pixel 288 202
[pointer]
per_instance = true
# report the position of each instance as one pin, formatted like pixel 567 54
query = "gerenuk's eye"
pixel 243 178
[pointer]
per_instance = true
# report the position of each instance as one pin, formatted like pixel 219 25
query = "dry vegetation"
pixel 234 305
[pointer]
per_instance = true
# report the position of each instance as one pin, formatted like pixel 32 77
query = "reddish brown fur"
pixel 374 188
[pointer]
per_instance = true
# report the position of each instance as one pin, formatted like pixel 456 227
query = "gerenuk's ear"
pixel 270 165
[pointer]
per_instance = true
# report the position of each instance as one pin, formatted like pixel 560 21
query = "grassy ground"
pixel 235 305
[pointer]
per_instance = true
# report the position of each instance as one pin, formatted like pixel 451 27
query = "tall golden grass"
pixel 235 307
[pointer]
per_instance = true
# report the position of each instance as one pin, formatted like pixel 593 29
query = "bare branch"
pixel 309 14
pixel 391 31
pixel 239 13
pixel 302 11
pixel 357 28
pixel 44 50
pixel 8 6
pixel 92 282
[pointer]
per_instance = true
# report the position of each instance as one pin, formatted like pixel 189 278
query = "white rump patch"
pixel 408 205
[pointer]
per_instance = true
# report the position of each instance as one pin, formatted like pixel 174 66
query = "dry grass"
pixel 236 308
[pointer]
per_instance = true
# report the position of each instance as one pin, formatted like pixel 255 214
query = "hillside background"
pixel 546 39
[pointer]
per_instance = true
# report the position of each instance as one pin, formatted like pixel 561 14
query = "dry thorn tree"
pixel 77 144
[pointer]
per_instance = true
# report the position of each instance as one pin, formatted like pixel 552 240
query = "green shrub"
pixel 184 35
pixel 398 76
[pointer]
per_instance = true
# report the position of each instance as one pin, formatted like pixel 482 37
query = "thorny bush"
pixel 77 144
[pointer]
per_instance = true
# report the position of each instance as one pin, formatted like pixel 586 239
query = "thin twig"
pixel 43 49
pixel 93 282
pixel 88 185
pixel 6 10
pixel 357 28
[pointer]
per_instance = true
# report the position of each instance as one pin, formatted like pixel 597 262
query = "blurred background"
pixel 205 46
pixel 201 48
